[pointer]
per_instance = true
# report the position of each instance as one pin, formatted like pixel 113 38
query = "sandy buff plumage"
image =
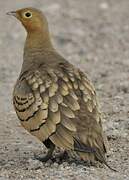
pixel 54 100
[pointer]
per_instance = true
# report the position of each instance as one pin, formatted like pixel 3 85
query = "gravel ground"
pixel 94 35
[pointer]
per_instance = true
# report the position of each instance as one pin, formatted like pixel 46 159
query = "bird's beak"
pixel 12 13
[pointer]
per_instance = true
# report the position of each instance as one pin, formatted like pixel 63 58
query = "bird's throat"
pixel 37 46
pixel 38 41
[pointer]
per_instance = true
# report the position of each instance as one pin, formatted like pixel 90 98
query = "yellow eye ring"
pixel 27 14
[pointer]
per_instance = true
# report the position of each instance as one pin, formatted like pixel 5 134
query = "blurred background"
pixel 93 35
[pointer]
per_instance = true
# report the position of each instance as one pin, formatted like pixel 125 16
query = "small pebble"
pixel 55 164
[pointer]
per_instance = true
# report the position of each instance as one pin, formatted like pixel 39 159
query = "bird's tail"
pixel 88 153
pixel 101 158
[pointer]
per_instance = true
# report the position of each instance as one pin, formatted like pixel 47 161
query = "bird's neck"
pixel 36 41
pixel 36 47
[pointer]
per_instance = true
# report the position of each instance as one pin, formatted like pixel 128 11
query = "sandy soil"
pixel 93 35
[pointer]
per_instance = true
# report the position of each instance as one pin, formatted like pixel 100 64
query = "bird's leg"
pixel 47 156
pixel 63 156
pixel 60 157
pixel 51 148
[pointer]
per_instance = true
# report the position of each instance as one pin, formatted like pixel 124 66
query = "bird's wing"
pixel 45 106
pixel 80 99
pixel 59 104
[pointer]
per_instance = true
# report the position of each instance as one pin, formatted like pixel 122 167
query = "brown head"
pixel 31 18
pixel 35 24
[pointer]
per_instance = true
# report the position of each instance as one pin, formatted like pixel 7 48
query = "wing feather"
pixel 60 104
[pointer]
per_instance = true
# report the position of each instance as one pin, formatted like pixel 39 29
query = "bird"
pixel 54 100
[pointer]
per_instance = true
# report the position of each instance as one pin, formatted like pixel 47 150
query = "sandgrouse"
pixel 54 100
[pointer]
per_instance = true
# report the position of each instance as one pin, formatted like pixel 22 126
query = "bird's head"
pixel 31 18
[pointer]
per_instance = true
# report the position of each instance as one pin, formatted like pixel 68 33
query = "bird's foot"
pixel 61 157
pixel 43 158
pixel 57 158
pixel 48 156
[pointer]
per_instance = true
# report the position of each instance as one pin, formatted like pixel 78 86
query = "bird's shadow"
pixel 62 158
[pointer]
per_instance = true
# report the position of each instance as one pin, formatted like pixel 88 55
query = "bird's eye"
pixel 28 14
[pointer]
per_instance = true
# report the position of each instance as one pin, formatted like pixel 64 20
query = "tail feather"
pixel 86 151
pixel 101 158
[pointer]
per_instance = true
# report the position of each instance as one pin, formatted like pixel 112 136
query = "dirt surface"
pixel 94 35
